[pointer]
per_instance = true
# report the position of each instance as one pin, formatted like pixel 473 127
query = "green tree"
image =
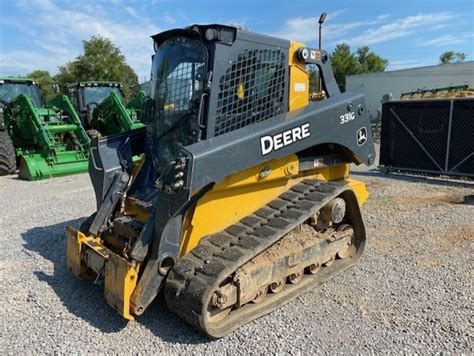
pixel 313 78
pixel 343 63
pixel 452 57
pixel 101 60
pixel 346 63
pixel 369 61
pixel 45 81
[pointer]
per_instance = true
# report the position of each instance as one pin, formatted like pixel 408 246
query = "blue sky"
pixel 42 34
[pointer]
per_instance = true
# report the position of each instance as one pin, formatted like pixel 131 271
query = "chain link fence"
pixel 433 137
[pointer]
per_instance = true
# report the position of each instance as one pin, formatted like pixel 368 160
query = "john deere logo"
pixel 272 143
pixel 361 136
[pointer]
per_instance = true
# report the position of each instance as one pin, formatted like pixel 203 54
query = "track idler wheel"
pixel 214 312
pixel 314 268
pixel 277 287
pixel 296 277
pixel 350 249
pixel 261 294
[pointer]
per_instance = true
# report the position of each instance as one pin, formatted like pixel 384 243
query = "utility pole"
pixel 322 18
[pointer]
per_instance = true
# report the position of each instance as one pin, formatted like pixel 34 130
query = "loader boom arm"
pixel 111 116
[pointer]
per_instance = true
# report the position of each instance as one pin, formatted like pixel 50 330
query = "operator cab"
pixel 179 74
pixel 195 97
pixel 10 88
pixel 86 96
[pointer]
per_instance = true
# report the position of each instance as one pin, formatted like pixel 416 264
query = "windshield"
pixel 9 91
pixel 179 75
pixel 97 94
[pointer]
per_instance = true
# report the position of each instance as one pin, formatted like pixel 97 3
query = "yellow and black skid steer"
pixel 241 200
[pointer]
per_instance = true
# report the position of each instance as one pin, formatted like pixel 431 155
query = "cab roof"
pixel 225 34
pixel 17 80
pixel 95 83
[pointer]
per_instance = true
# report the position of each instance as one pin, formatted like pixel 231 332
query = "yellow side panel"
pixel 337 172
pixel 299 82
pixel 120 282
pixel 237 196
pixel 360 190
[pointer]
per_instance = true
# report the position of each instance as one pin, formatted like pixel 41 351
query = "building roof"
pixel 451 68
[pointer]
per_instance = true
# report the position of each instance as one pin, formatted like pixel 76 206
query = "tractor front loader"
pixel 137 103
pixel 112 117
pixel 49 141
pixel 100 105
pixel 242 200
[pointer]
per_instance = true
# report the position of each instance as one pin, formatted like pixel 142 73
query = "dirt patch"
pixel 383 246
pixel 428 262
pixel 376 184
pixel 431 198
pixel 458 236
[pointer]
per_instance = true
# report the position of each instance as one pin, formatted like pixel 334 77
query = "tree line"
pixel 101 61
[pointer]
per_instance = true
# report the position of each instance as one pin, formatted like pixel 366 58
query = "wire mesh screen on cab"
pixel 251 90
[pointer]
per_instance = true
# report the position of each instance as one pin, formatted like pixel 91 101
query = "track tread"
pixel 189 288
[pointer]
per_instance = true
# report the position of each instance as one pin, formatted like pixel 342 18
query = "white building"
pixel 375 85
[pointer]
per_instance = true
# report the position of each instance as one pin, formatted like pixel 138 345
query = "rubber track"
pixel 7 154
pixel 193 280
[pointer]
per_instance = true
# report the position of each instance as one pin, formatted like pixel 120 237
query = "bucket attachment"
pixel 37 166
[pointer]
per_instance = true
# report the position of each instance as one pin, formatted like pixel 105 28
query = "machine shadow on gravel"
pixel 86 301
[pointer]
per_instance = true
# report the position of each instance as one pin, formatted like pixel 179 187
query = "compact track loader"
pixel 44 140
pixel 242 200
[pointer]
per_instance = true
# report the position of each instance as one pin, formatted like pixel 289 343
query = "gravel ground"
pixel 412 291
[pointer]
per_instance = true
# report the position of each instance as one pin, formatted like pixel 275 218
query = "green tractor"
pixel 9 90
pixel 43 140
pixel 100 105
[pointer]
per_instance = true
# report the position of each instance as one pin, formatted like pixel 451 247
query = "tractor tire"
pixel 7 154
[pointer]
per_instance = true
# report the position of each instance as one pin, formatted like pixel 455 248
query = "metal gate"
pixel 432 136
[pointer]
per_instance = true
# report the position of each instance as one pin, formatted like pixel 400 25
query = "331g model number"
pixel 345 118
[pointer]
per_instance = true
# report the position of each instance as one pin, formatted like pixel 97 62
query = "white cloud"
pixel 22 62
pixel 383 17
pixel 59 29
pixel 448 39
pixel 398 28
pixel 305 29
pixel 381 28
pixel 168 19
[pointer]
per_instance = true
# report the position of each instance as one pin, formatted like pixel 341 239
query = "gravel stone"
pixel 411 292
